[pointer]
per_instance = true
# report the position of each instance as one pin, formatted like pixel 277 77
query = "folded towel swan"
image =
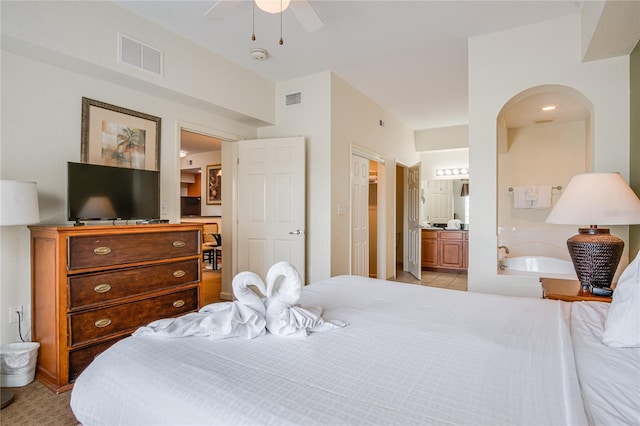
pixel 250 315
pixel 284 318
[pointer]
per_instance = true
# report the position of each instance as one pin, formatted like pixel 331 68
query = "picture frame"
pixel 214 184
pixel 120 137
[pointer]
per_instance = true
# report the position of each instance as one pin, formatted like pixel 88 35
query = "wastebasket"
pixel 18 363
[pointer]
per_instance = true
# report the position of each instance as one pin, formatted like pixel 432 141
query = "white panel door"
pixel 359 216
pixel 414 255
pixel 271 204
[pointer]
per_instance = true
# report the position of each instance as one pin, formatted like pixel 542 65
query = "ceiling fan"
pixel 302 9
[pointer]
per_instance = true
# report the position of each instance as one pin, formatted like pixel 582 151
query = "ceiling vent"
pixel 293 99
pixel 544 120
pixel 139 55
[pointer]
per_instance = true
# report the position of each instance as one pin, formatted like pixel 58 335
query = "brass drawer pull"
pixel 178 303
pixel 179 244
pixel 179 273
pixel 102 323
pixel 102 250
pixel 102 288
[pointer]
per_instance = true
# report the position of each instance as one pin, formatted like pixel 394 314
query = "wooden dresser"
pixel 95 285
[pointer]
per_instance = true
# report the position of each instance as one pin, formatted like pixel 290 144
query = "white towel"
pixel 284 318
pixel 244 317
pixel 543 200
pixel 519 198
pixel 531 193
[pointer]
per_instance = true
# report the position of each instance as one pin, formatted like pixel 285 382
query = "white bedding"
pixel 609 377
pixel 410 355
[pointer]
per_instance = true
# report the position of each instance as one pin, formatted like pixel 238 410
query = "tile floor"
pixel 435 279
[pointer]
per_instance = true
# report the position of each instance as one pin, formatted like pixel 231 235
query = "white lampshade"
pixel 19 203
pixel 596 199
pixel 273 6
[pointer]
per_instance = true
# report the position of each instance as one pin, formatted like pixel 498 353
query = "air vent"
pixel 139 55
pixel 544 120
pixel 293 99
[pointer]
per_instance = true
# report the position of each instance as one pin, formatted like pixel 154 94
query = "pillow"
pixel 622 327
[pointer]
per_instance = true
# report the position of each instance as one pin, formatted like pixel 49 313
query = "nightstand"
pixel 568 290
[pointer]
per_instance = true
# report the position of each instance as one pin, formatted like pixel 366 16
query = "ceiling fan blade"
pixel 220 9
pixel 305 14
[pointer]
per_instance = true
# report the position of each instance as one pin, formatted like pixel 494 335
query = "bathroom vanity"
pixel 445 250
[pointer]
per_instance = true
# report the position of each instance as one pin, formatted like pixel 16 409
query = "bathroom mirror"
pixel 443 200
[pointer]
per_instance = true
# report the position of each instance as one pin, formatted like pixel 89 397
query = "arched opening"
pixel 544 137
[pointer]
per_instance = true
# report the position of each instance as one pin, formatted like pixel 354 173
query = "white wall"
pixel 82 36
pixel 49 64
pixel 504 64
pixel 446 159
pixel 438 138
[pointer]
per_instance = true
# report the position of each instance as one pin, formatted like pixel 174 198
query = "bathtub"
pixel 542 266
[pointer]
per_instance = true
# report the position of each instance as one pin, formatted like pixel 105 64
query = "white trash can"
pixel 18 363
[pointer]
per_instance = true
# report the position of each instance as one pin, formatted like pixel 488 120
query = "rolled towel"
pixel 284 286
pixel 244 317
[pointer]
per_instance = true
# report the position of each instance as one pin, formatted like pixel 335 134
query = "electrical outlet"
pixel 13 314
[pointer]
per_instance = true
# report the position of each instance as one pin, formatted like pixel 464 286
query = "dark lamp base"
pixel 595 254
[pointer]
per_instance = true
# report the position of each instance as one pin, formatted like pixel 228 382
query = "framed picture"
pixel 214 184
pixel 120 137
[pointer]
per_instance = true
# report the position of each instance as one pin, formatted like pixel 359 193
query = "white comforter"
pixel 411 355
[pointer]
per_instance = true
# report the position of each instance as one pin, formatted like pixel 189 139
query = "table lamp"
pixel 18 206
pixel 596 199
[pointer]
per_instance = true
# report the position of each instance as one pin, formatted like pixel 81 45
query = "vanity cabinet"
pixel 444 250
pixel 95 285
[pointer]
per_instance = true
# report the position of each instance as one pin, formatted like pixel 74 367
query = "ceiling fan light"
pixel 273 6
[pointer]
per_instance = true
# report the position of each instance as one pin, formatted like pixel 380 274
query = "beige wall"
pixel 355 122
pixel 634 151
pixel 501 65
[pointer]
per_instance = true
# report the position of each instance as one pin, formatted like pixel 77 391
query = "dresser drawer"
pixel 107 250
pixel 103 287
pixel 101 323
pixel 81 358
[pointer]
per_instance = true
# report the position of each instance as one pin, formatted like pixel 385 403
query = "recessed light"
pixel 549 108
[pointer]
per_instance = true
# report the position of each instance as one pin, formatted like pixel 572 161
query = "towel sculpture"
pixel 250 315
pixel 284 318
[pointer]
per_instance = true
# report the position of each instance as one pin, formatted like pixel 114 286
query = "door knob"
pixel 296 232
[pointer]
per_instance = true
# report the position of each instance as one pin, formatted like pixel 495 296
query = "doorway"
pixel 368 220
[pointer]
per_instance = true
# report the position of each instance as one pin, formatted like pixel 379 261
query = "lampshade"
pixel 596 199
pixel 273 6
pixel 19 203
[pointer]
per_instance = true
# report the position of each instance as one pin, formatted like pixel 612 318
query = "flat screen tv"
pixel 111 193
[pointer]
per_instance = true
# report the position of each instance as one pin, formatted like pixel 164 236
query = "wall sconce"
pixel 452 172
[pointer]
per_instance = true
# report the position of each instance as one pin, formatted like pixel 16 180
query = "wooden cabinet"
pixel 94 285
pixel 444 250
pixel 429 248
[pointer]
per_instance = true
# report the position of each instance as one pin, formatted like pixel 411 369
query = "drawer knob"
pixel 178 303
pixel 102 323
pixel 102 288
pixel 102 250
pixel 179 273
pixel 179 244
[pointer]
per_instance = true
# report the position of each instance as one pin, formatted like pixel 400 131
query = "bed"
pixel 409 355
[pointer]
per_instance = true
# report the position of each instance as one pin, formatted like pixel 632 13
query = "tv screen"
pixel 108 193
